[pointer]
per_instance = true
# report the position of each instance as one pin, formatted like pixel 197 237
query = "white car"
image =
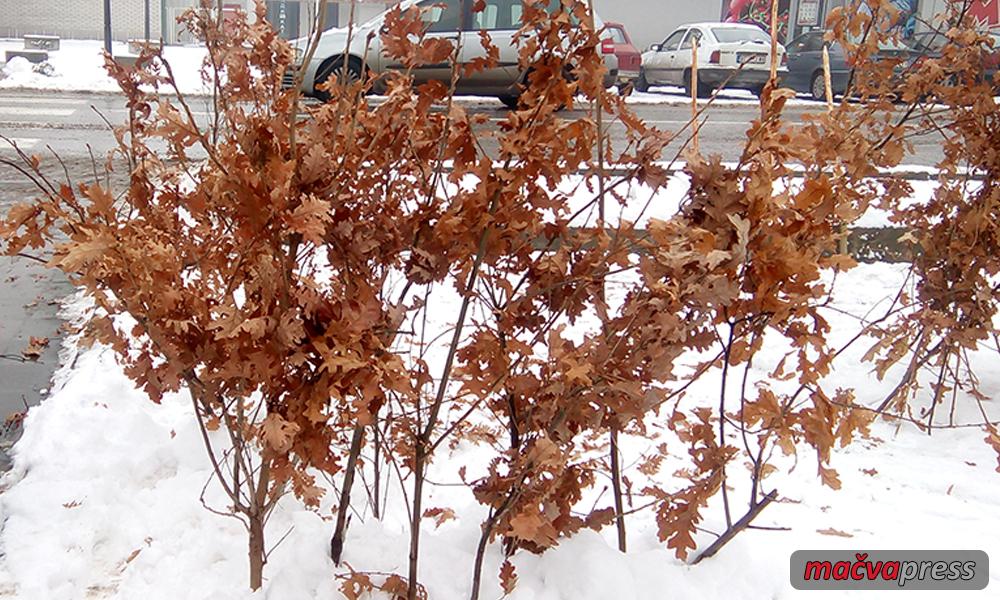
pixel 730 55
pixel 449 19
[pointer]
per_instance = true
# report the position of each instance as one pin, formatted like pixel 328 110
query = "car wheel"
pixel 817 87
pixel 514 102
pixel 333 72
pixel 641 84
pixel 510 101
pixel 704 90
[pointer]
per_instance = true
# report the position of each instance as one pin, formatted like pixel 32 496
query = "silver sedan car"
pixel 450 19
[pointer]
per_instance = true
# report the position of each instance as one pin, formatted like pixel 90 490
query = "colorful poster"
pixel 907 14
pixel 985 12
pixel 907 21
pixel 757 12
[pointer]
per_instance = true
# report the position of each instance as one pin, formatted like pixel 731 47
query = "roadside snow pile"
pixel 78 66
pixel 17 66
pixel 103 502
pixel 677 96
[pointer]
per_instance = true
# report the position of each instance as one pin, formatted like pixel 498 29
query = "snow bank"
pixel 79 67
pixel 676 96
pixel 103 502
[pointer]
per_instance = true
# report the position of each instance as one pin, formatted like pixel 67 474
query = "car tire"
pixel 333 71
pixel 817 87
pixel 642 84
pixel 704 90
pixel 513 102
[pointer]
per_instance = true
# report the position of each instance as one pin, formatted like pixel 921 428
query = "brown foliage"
pixel 282 269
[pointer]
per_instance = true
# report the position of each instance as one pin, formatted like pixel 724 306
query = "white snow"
pixel 79 67
pixel 103 502
pixel 673 95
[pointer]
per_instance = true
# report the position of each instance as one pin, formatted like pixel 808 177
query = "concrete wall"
pixel 82 19
pixel 650 21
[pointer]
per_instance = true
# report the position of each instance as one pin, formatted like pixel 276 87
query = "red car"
pixel 629 57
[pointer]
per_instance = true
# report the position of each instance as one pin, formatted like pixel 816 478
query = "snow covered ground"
pixel 78 66
pixel 103 502
pixel 673 95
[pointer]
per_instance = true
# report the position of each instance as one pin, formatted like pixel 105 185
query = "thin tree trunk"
pixel 378 472
pixel 256 551
pixel 256 515
pixel 477 569
pixel 337 542
pixel 418 493
pixel 616 485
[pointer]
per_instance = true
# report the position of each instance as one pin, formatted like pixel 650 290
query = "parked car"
pixel 629 57
pixel 929 44
pixel 449 19
pixel 731 55
pixel 805 64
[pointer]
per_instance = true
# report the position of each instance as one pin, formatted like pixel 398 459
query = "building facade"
pixel 84 19
pixel 915 15
pixel 648 21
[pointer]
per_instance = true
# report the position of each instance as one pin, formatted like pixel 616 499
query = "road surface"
pixel 68 123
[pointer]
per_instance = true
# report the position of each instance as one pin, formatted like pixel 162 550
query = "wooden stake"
pixel 694 93
pixel 774 42
pixel 827 81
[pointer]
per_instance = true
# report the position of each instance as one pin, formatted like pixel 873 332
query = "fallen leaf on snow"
pixel 834 532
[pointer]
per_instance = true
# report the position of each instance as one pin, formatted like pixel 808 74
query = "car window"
pixel 888 45
pixel 809 42
pixel 693 34
pixel 515 9
pixel 441 16
pixel 673 41
pixel 814 42
pixel 727 35
pixel 798 44
pixel 498 15
pixel 617 35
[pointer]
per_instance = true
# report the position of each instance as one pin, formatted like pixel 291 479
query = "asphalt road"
pixel 68 123
pixel 73 126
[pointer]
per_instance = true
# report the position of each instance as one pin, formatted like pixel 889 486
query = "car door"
pixel 684 56
pixel 501 19
pixel 445 19
pixel 660 60
pixel 805 55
